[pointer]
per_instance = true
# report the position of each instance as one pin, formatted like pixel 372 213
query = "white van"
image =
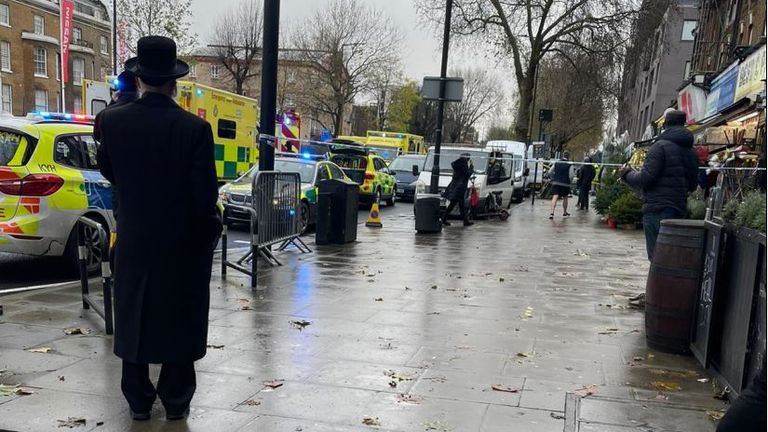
pixel 499 184
pixel 535 165
pixel 517 150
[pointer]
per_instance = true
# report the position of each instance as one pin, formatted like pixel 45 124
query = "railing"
pixel 84 241
pixel 274 210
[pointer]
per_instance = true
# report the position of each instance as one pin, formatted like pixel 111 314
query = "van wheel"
pixel 303 217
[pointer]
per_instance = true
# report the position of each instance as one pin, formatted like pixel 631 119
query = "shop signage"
pixel 723 90
pixel 692 101
pixel 751 79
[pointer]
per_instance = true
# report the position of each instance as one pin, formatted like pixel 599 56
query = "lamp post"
pixel 269 84
pixel 435 178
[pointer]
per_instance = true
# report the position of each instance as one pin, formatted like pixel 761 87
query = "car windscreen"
pixel 406 163
pixel 479 160
pixel 306 170
pixel 388 153
pixel 12 147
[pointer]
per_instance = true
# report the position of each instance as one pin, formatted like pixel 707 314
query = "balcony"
pixel 82 46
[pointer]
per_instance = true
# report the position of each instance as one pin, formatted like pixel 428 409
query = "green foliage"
pixel 609 191
pixel 627 209
pixel 730 209
pixel 697 206
pixel 751 212
pixel 404 101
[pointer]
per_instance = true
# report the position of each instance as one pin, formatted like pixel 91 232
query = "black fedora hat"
pixel 156 59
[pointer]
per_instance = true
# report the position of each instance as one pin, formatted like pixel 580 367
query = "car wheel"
pixel 94 248
pixel 391 200
pixel 303 217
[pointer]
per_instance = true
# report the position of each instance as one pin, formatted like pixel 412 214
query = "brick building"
pixel 656 66
pixel 29 53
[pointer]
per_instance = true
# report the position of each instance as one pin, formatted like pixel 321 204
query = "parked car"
pixel 369 170
pixel 312 171
pixel 49 177
pixel 402 168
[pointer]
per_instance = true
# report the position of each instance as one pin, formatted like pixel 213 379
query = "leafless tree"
pixel 383 82
pixel 525 31
pixel 483 93
pixel 171 18
pixel 237 41
pixel 346 42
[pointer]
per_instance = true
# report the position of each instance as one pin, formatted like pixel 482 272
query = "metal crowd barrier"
pixel 83 239
pixel 275 206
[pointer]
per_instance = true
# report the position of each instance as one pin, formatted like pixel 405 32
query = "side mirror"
pixel 415 170
pixel 526 172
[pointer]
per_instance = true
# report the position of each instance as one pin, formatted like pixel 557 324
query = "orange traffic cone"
pixel 374 217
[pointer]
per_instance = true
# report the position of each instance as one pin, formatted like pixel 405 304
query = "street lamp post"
pixel 269 85
pixel 530 128
pixel 435 178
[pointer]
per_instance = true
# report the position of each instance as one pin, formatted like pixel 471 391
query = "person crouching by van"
pixel 561 184
pixel 586 175
pixel 457 189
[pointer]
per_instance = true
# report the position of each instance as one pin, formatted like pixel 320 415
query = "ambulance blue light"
pixel 68 116
pixel 292 212
pixel 116 83
pixel 287 120
pixel 45 113
pixel 199 92
pixel 306 155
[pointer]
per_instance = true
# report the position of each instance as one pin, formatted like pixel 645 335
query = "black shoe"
pixel 566 214
pixel 140 416
pixel 468 223
pixel 551 216
pixel 172 417
pixel 446 223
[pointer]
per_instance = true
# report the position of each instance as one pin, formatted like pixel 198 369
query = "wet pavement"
pixel 520 325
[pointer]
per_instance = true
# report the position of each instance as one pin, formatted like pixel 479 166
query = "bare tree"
pixel 346 42
pixel 237 41
pixel 171 18
pixel 528 30
pixel 483 93
pixel 383 84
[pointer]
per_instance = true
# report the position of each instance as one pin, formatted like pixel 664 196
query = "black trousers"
pixel 452 205
pixel 176 386
pixel 747 413
pixel 584 198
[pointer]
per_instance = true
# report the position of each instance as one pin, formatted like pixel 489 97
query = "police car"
pixel 49 177
pixel 312 170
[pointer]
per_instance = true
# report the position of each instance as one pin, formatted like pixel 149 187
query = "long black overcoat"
pixel 161 158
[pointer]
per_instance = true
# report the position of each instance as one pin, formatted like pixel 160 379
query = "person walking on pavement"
pixel 457 189
pixel 586 176
pixel 561 184
pixel 162 270
pixel 669 173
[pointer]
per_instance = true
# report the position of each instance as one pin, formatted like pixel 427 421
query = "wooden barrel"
pixel 673 285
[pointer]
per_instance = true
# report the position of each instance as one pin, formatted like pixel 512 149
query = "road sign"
pixel 454 89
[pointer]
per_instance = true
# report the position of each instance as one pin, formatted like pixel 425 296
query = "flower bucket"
pixel 611 223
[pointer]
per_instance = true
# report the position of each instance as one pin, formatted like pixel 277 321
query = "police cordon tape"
pixel 464 148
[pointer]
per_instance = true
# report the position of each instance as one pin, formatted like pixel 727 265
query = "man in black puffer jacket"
pixel 668 175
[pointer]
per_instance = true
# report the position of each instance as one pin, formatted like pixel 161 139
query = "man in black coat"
pixel 165 249
pixel 457 189
pixel 669 173
pixel 586 175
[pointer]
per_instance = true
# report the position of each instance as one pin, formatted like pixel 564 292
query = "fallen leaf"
pixel 586 391
pixel 715 415
pixel 703 380
pixel 378 299
pixel 77 331
pixel 528 314
pixel 434 313
pixel 14 389
pixel 557 416
pixel 400 376
pixel 300 324
pixel 409 399
pixel 72 422
pixel 501 279
pixel 666 386
pixel 608 331
pixel 215 346
pixel 434 287
pixel 273 384
pixel 371 421
pixel 525 354
pixel 246 307
pixel 62 378
pixel 504 388
pixel 251 402
pixel 437 426
pixel 393 384
pixel 44 350
pixel 661 397
pixel 638 358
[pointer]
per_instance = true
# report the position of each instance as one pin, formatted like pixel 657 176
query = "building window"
pixel 214 71
pixel 5 56
pixel 689 27
pixel 193 71
pixel 7 98
pixel 687 73
pixel 77 34
pixel 41 100
pixel 5 15
pixel 104 44
pixel 77 104
pixel 39 25
pixel 650 84
pixel 41 62
pixel 78 71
